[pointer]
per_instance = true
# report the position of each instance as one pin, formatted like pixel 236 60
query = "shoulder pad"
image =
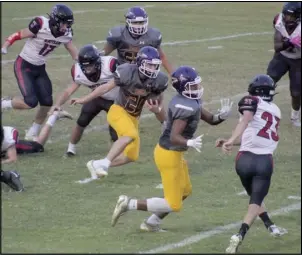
pixel 162 83
pixel 155 36
pixel 181 108
pixel 275 19
pixel 248 103
pixel 123 74
pixel 35 25
pixel 113 64
pixel 114 35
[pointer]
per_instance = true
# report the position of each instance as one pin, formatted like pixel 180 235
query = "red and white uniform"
pixel 261 135
pixel 279 25
pixel 10 138
pixel 107 69
pixel 37 49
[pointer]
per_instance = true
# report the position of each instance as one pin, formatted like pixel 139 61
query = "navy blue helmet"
pixel 148 61
pixel 263 86
pixel 187 82
pixel 291 14
pixel 60 20
pixel 137 20
pixel 89 59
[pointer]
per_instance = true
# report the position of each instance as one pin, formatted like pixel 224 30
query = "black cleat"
pixel 69 154
pixel 12 179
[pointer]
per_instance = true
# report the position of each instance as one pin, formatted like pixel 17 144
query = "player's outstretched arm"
pixel 241 126
pixel 223 113
pixel 72 49
pixel 11 154
pixel 22 34
pixel 63 97
pixel 99 91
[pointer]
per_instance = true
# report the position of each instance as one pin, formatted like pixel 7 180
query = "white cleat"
pixel 234 243
pixel 63 115
pixel 120 208
pixel 277 231
pixel 296 122
pixel 151 228
pixel 96 172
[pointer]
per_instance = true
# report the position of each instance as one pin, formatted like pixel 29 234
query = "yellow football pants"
pixel 125 125
pixel 175 177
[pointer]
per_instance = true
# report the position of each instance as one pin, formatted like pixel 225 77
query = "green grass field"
pixel 55 214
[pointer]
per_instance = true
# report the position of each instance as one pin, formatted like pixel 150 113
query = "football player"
pixel 130 38
pixel 138 83
pixel 11 145
pixel 91 71
pixel 10 178
pixel 43 36
pixel 287 57
pixel 184 112
pixel 258 130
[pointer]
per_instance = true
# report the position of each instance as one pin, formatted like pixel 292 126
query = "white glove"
pixel 195 143
pixel 3 50
pixel 226 108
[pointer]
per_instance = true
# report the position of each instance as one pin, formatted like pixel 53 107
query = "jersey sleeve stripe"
pixel 180 106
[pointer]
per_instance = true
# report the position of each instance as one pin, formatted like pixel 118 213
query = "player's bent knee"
pixel 257 198
pixel 83 121
pixel 32 102
pixel 48 101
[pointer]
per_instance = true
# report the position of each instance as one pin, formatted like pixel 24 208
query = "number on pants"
pixel 268 117
pixel 46 49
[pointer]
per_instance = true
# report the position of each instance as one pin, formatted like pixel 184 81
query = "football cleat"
pixel 63 115
pixel 12 179
pixel 70 154
pixel 96 172
pixel 276 231
pixel 234 244
pixel 151 228
pixel 120 208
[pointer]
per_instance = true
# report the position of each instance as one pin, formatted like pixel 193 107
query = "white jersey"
pixel 279 25
pixel 261 135
pixel 9 138
pixel 106 75
pixel 38 48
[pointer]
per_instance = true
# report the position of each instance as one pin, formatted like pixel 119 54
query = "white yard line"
pixel 220 38
pixel 294 197
pixel 117 9
pixel 216 231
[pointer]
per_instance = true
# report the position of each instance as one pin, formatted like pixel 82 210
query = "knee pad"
pixel 48 101
pixel 84 119
pixel 32 101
